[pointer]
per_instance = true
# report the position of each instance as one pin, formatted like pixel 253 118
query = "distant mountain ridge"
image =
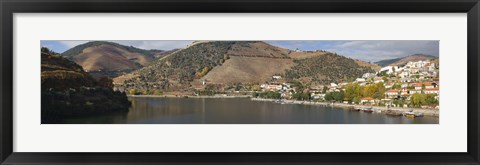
pixel 102 58
pixel 79 48
pixel 405 60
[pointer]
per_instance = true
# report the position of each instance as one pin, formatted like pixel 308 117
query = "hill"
pixel 101 58
pixel 405 60
pixel 225 63
pixel 326 69
pixel 177 70
pixel 248 70
pixel 68 91
pixel 257 49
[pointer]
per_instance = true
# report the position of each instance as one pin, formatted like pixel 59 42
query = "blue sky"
pixel 366 50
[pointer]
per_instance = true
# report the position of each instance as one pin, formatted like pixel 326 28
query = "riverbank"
pixel 186 96
pixel 426 112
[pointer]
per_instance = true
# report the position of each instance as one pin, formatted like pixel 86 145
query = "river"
pixel 159 110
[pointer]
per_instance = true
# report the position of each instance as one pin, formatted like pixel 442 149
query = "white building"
pixel 368 75
pixel 389 69
pixel 318 96
pixel 432 90
pixel 360 80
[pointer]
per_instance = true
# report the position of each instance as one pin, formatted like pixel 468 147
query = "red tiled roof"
pixel 433 89
pixel 428 83
pixel 392 90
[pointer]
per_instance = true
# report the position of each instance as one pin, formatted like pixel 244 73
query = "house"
pixel 286 86
pixel 378 80
pixel 317 96
pixel 276 77
pixel 404 74
pixel 413 91
pixel 417 86
pixel 271 87
pixel 417 64
pixel 367 100
pixel 432 90
pixel 333 85
pixel 430 85
pixel 404 92
pixel 360 80
pixel 391 94
pixel 263 85
pixel 368 75
pixel 388 85
pixel 389 69
pixel 406 79
pixel 274 87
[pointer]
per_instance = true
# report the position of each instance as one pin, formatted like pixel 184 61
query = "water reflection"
pixel 152 110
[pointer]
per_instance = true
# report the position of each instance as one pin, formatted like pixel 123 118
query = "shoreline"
pixel 186 96
pixel 426 112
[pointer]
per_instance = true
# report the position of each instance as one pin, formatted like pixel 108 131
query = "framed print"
pixel 254 82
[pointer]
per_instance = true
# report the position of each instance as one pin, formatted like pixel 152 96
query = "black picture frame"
pixel 9 7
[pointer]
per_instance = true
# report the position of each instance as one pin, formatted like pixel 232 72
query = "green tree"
pixel 338 96
pixel 379 91
pixel 369 90
pixel 430 99
pixel 356 100
pixel 202 73
pixel 417 99
pixel 157 92
pixel 329 96
pixel 132 91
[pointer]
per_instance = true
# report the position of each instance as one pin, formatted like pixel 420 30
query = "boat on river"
pixel 393 113
pixel 409 114
pixel 419 115
pixel 368 109
pixel 355 109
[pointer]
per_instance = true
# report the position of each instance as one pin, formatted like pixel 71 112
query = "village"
pixel 415 85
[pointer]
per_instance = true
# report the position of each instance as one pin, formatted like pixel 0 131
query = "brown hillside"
pixel 247 70
pixel 110 58
pixel 375 67
pixel 305 54
pixel 256 49
pixel 405 60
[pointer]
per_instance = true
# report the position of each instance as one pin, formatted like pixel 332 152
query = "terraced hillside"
pixel 223 63
pixel 68 91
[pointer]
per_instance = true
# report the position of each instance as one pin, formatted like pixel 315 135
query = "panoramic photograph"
pixel 240 82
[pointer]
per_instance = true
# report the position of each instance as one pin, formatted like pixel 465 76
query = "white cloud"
pixel 71 44
pixel 149 44
pixel 381 50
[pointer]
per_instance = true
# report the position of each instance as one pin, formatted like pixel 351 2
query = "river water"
pixel 157 110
